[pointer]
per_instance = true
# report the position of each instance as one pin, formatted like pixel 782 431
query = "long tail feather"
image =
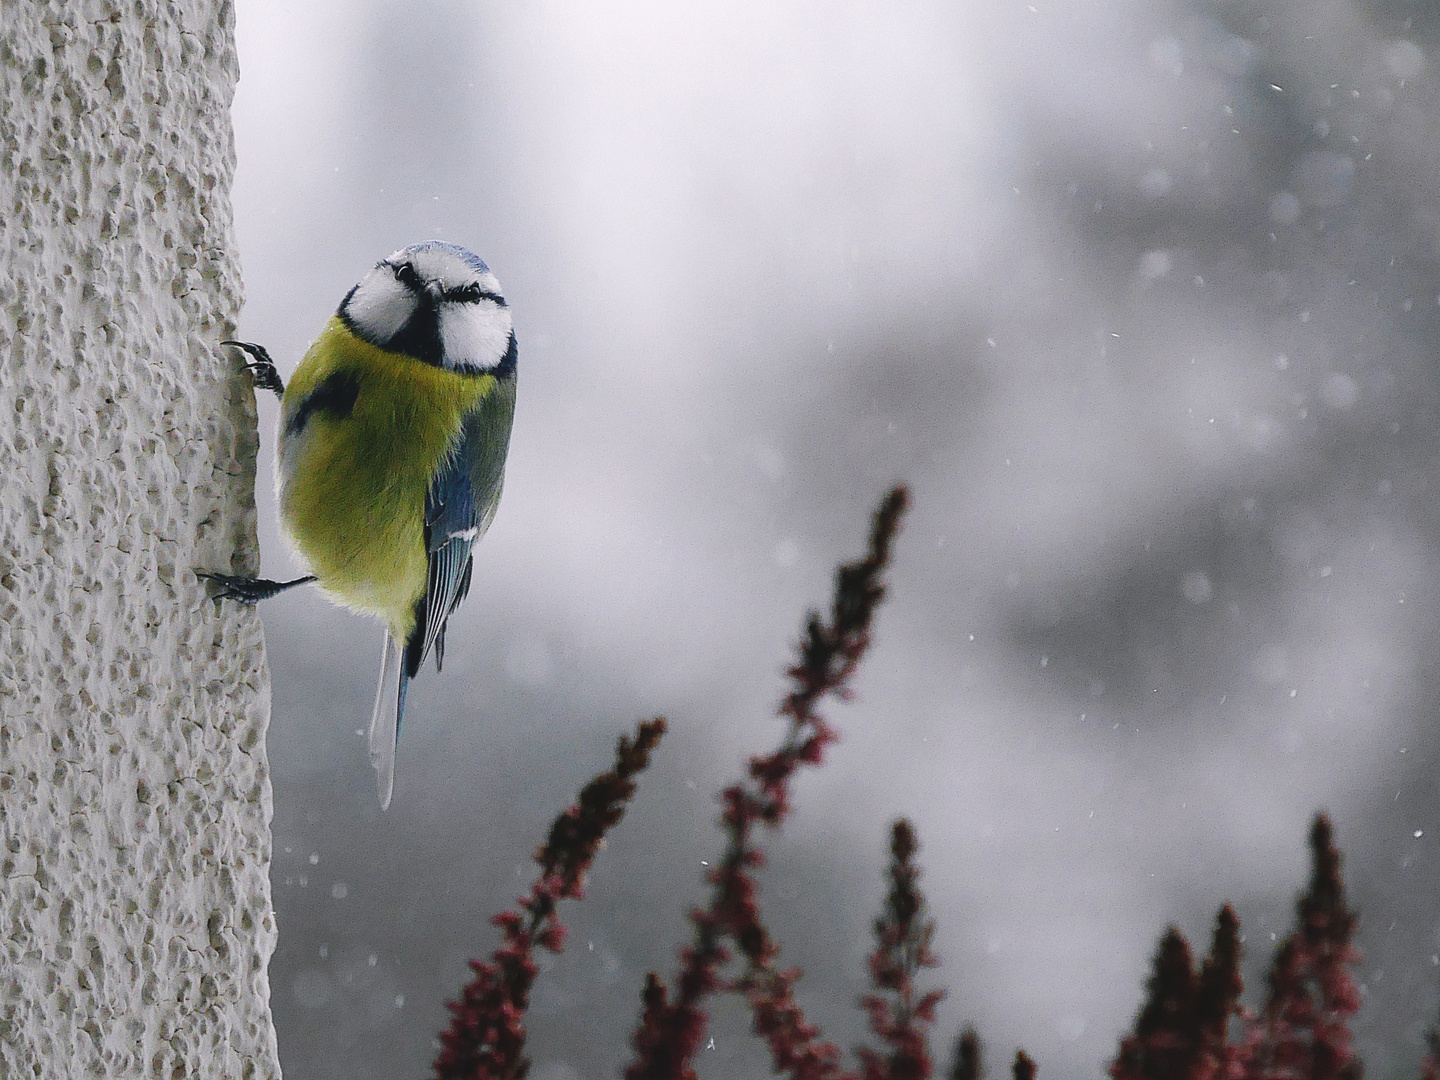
pixel 385 720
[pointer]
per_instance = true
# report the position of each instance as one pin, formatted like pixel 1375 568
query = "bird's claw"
pixel 228 587
pixel 248 590
pixel 262 369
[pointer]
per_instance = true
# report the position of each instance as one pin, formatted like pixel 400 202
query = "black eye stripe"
pixel 473 293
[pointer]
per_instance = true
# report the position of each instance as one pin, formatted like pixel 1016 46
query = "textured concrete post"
pixel 135 917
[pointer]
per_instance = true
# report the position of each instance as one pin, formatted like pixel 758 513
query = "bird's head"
pixel 438 303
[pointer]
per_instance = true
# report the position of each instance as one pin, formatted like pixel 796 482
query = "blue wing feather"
pixel 458 508
pixel 451 526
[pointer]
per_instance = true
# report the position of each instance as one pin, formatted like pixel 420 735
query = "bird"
pixel 393 435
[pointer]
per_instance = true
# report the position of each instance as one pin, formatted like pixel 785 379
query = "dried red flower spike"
pixel 967 1064
pixel 1218 994
pixel 672 1024
pixel 1430 1064
pixel 1182 1031
pixel 1217 1001
pixel 1165 1044
pixel 1025 1067
pixel 1304 1029
pixel 486 1036
pixel 898 1016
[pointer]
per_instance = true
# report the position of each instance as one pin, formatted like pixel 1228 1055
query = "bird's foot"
pixel 262 369
pixel 247 590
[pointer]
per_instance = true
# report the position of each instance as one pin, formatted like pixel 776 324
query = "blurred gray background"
pixel 1143 301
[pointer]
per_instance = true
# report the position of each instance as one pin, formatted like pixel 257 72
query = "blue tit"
pixel 392 444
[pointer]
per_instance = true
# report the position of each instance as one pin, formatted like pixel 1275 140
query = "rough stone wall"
pixel 135 916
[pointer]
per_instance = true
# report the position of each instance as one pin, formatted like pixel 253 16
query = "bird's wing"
pixel 458 509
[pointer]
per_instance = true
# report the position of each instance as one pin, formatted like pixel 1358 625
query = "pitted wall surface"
pixel 135 915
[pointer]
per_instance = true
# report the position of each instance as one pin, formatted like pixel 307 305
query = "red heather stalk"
pixel 1328 924
pixel 1304 1028
pixel 1430 1065
pixel 576 835
pixel 1165 1042
pixel 897 1016
pixel 1218 996
pixel 672 1024
pixel 1218 999
pixel 829 654
pixel 486 1037
pixel 795 1049
pixel 1281 1043
pixel 1182 1031
pixel 1024 1066
pixel 968 1064
pixel 1329 929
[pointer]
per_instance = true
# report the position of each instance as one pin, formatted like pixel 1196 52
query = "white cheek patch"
pixel 474 335
pixel 380 306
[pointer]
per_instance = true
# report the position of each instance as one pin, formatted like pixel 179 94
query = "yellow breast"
pixel 355 467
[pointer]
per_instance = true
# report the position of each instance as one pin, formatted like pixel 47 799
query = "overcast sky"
pixel 1143 301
